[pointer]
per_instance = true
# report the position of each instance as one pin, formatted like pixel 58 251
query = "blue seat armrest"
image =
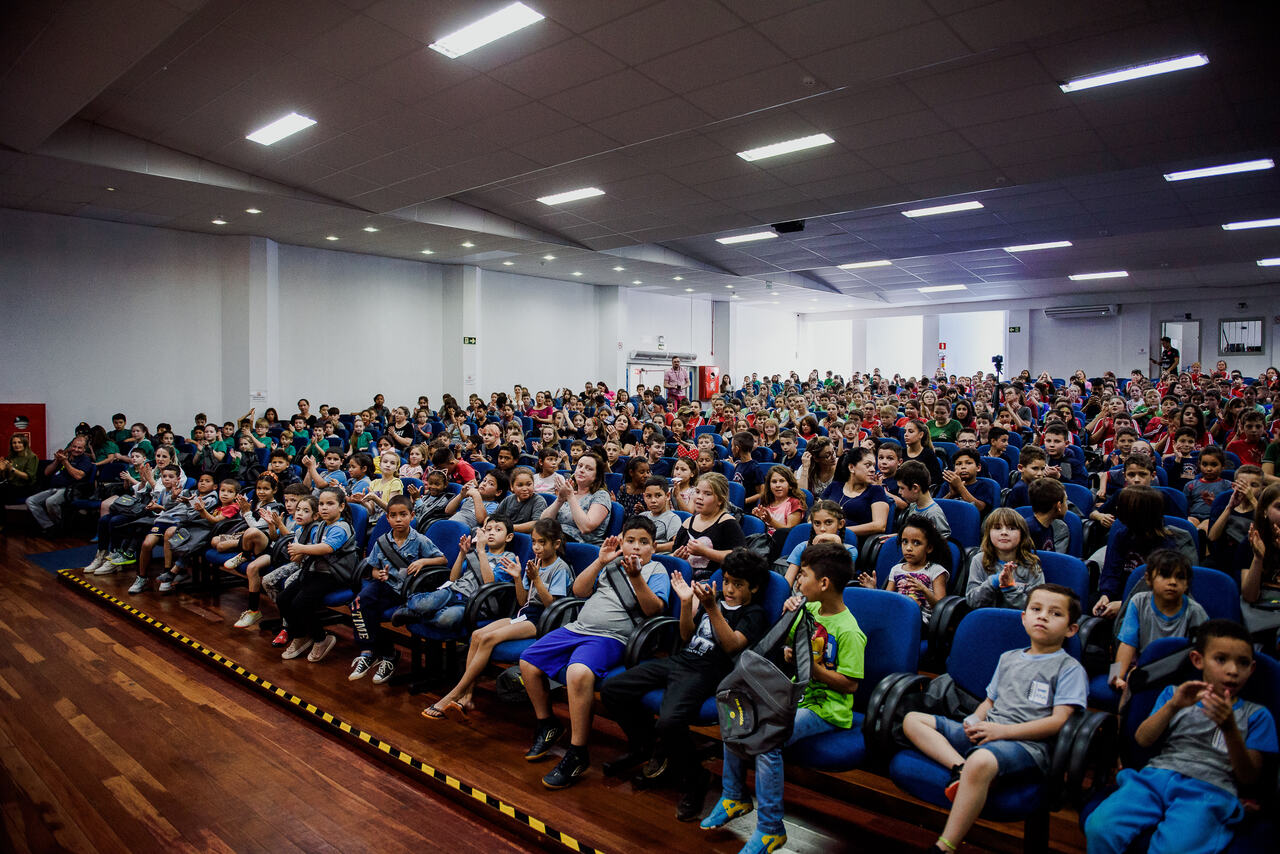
pixel 492 601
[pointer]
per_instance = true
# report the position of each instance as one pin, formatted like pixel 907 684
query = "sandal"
pixel 433 713
pixel 455 712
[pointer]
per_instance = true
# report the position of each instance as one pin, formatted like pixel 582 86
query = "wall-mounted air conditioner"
pixel 1077 312
pixel 658 357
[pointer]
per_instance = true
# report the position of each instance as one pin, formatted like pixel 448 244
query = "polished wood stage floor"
pixel 115 738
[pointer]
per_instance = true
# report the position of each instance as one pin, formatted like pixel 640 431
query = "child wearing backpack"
pixel 329 560
pixel 1162 610
pixel 480 561
pixel 728 623
pixel 838 647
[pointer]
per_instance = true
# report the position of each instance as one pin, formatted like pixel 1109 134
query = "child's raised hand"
pixel 706 593
pixel 682 552
pixel 1217 708
pixel 1188 693
pixel 414 492
pixel 511 565
pixel 1255 540
pixel 793 603
pixel 610 548
pixel 464 543
pixel 867 580
pixel 1006 573
pixel 631 563
pixel 681 587
pixel 531 570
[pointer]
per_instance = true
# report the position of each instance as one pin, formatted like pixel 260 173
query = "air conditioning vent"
pixel 659 356
pixel 1077 312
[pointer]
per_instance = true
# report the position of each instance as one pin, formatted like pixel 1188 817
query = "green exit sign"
pixel 1011 329
pixel 468 340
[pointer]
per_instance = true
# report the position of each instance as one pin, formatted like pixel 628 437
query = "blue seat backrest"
pixel 1075 527
pixel 948 448
pixel 1162 476
pixel 671 564
pixel 482 467
pixel 737 494
pixel 1183 524
pixel 613 482
pixel 808 498
pixel 615 520
pixel 1066 570
pixel 453 488
pixel 983 636
pixel 107 472
pixel 752 525
pixel 762 455
pixel 522 547
pixel 892 625
pixel 1080 496
pixel 1233 459
pixel 1175 502
pixel 683 514
pixel 382 526
pixel 800 534
pixel 548 496
pixel 445 533
pixel 705 428
pixel 966 526
pixel 996 468
pixel 580 555
pixel 1216 591
pixel 360 522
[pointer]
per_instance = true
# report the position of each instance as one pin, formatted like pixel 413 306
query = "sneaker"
pixel 181 577
pixel 953 785
pixel 247 619
pixel 404 616
pixel 655 767
pixel 281 639
pixel 361 665
pixel 548 734
pixel 764 843
pixel 236 561
pixel 107 568
pixel 99 559
pixel 164 582
pixel 725 810
pixel 568 770
pixel 139 584
pixel 297 647
pixel 321 649
pixel 386 668
pixel 124 557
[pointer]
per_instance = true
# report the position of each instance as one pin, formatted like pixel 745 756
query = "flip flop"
pixel 455 712
pixel 433 713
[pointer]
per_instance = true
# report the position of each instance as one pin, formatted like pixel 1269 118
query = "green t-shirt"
pixel 220 445
pixel 119 436
pixel 145 446
pixel 1272 455
pixel 841 631
pixel 362 441
pixel 316 450
pixel 945 432
pixel 107 450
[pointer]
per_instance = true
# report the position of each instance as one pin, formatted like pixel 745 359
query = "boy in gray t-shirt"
pixel 1031 694
pixel 1209 741
pixel 657 505
pixel 913 488
pixel 625 587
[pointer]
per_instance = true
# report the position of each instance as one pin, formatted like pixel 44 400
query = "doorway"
pixel 1185 335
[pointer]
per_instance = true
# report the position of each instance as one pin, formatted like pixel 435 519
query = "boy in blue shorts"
pixel 628 586
pixel 1031 695
pixel 1210 741
pixel 838 647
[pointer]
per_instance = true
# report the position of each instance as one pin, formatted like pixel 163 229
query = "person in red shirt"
pixel 1250 442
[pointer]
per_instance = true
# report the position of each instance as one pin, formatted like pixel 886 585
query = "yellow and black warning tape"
pixel 314 712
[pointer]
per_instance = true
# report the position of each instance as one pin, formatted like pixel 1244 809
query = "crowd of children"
pixel 1157 474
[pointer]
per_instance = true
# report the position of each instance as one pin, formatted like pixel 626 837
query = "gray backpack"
pixel 757 701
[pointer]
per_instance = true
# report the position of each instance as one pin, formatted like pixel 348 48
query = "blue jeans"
pixel 768 774
pixel 442 609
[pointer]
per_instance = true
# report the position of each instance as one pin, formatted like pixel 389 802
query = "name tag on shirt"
pixel 1038 693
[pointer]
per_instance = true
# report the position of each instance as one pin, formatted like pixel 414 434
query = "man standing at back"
pixel 676 381
pixel 1170 359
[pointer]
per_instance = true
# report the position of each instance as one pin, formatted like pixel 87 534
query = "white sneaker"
pixel 247 619
pixel 181 577
pixel 164 582
pixel 98 560
pixel 139 584
pixel 320 650
pixel 296 647
pixel 386 668
pixel 107 568
pixel 362 665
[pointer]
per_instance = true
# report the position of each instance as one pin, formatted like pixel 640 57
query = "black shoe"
pixel 548 734
pixel 404 616
pixel 693 795
pixel 569 769
pixel 625 762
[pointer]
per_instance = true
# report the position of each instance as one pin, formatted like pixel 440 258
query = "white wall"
pixel 684 325
pixel 972 338
pixel 828 345
pixel 101 317
pixel 763 341
pixel 894 345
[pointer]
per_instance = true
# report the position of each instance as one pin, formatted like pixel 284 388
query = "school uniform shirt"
pixel 358 487
pixel 901 576
pixel 748 474
pixel 723 534
pixel 944 432
pixel 179 513
pixel 703 651
pixel 840 644
pixel 930 461
pixel 984 588
pixel 338 476
pixel 1144 622
pixel 469 581
pixel 1249 451
pixel 415 547
pixel 385 489
pixel 1238 521
pixel 1201 494
pixel 467 512
pixel 1194 747
pixel 934 514
pixel 557 577
pixel 519 511
pixel 547 484
pixel 1071 472
pixel 361 441
pixel 792 462
pixel 605 615
pixel 565 516
pixel 660 468
pixel 667 523
pixel 794 557
pixel 1056 537
pixel 1026 687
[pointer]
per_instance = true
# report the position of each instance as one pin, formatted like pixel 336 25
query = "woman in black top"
pixel 920 447
pixel 706 538
pixel 400 431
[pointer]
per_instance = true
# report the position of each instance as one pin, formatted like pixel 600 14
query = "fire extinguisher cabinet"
pixel 708 381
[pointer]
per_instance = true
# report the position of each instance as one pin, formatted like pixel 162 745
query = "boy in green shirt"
pixel 827 705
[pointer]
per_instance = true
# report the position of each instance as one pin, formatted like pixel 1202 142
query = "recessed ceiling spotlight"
pixel 508 263
pixel 252 211
pixel 370 229
pixel 503 22
pixel 690 290
pixel 1120 75
pixel 785 147
pixel 1269 262
pixel 571 196
pixel 332 237
pixel 218 221
pixel 577 272
pixel 1034 247
pixel 1225 169
pixel 730 287
pixel 618 269
pixel 111 189
pixel 280 128
pixel 1111 274
pixel 677 278
pixel 747 238
pixel 467 244
pixel 937 289
pixel 1252 223
pixel 813 299
pixel 428 252
pixel 548 257
pixel 735 296
pixel 860 265
pixel 636 282
pixel 943 209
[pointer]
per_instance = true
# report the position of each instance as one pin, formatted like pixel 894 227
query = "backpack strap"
pixel 387 546
pixel 627 598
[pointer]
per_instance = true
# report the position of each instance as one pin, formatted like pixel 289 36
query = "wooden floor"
pixel 114 738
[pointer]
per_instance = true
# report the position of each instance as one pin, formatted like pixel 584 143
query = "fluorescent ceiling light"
pixel 1253 223
pixel 508 263
pixel 370 229
pixel 1269 262
pixel 618 269
pixel 571 196
pixel 937 289
pixel 280 128
pixel 428 252
pixel 690 290
pixel 1106 78
pixel 859 265
pixel 1033 247
pixel 252 211
pixel 1113 274
pixel 548 257
pixel 332 237
pixel 747 238
pixel 577 273
pixel 735 296
pixel 218 221
pixel 730 287
pixel 942 209
pixel 636 282
pixel 786 147
pixel 677 278
pixel 467 244
pixel 1225 169
pixel 503 22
